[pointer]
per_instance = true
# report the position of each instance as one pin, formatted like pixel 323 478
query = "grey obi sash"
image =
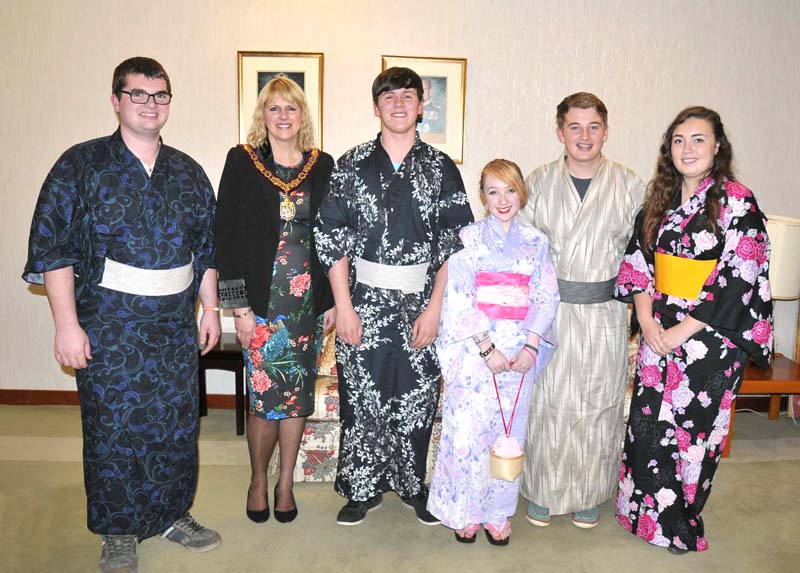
pixel 573 292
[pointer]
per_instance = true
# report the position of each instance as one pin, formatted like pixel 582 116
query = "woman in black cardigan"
pixel 269 274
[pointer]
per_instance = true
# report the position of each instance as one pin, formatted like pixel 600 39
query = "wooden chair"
pixel 226 355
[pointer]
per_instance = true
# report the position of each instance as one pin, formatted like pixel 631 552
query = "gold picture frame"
pixel 257 68
pixel 445 82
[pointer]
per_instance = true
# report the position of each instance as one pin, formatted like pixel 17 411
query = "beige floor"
pixel 752 519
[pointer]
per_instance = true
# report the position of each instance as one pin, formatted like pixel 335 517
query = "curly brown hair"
pixel 666 184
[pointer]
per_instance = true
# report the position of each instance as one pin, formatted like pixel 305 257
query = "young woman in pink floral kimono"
pixel 499 304
pixel 697 270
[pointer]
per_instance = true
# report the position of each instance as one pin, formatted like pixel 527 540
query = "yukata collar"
pixel 497 240
pixel 409 161
pixel 121 153
pixel 699 195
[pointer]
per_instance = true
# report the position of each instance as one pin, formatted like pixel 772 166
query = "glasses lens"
pixel 138 96
pixel 162 98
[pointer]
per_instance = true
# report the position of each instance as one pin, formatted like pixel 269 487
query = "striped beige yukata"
pixel 575 425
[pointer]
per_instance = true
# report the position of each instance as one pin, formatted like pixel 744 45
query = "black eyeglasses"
pixel 141 96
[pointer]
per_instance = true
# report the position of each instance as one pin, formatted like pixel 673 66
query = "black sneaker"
pixel 354 512
pixel 419 504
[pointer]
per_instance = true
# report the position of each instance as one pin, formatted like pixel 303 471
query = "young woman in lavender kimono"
pixel 494 340
pixel 697 270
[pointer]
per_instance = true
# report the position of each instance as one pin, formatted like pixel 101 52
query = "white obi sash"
pixel 405 278
pixel 146 282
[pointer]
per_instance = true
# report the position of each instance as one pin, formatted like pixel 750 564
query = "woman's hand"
pixel 329 319
pixel 245 323
pixel 677 335
pixel 651 332
pixel 348 326
pixel 523 361
pixel 497 362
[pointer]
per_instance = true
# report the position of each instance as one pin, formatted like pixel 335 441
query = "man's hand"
pixel 348 326
pixel 72 347
pixel 329 319
pixel 209 331
pixel 425 329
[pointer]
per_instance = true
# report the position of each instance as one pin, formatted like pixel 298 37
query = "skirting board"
pixel 70 398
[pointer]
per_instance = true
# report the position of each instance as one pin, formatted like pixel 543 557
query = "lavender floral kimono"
pixel 462 492
pixel 680 413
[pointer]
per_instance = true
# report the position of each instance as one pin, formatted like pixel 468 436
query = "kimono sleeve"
pixel 543 295
pixel 461 317
pixel 204 249
pixel 336 226
pixel 454 213
pixel 230 233
pixel 56 229
pixel 636 271
pixel 736 299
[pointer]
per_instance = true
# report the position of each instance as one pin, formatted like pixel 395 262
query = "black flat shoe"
pixel 283 516
pixel 257 515
pixel 677 550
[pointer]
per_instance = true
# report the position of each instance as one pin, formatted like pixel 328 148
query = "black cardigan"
pixel 247 230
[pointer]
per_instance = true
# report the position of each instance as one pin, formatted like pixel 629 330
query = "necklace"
pixel 287 210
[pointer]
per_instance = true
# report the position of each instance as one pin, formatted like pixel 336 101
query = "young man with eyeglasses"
pixel 122 241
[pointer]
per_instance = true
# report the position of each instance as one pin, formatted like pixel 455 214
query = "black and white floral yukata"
pixel 388 390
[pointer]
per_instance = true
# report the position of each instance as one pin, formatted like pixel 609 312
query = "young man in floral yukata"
pixel 384 233
pixel 697 271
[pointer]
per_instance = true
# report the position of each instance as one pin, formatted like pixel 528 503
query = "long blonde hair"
pixel 291 92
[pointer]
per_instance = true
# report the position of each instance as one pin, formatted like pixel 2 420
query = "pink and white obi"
pixel 503 295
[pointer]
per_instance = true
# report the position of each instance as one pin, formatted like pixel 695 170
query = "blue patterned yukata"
pixel 138 394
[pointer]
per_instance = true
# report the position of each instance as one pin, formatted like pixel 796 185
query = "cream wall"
pixel 647 59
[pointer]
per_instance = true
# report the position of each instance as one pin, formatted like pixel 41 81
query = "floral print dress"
pixel 281 361
pixel 680 411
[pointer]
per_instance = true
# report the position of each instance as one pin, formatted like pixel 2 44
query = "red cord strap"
pixel 507 428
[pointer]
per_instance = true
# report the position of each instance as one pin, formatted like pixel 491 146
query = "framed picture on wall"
pixel 444 83
pixel 256 69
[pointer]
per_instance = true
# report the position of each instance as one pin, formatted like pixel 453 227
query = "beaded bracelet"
pixel 532 347
pixel 483 354
pixel 245 313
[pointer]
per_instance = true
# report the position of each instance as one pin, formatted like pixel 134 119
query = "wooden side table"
pixel 782 378
pixel 226 355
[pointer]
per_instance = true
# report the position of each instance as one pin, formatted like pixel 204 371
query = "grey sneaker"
pixel 586 518
pixel 118 554
pixel 192 535
pixel 537 515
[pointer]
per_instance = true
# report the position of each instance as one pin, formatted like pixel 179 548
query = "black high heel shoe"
pixel 257 515
pixel 283 516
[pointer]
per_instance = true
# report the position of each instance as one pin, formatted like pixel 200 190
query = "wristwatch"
pixel 480 337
